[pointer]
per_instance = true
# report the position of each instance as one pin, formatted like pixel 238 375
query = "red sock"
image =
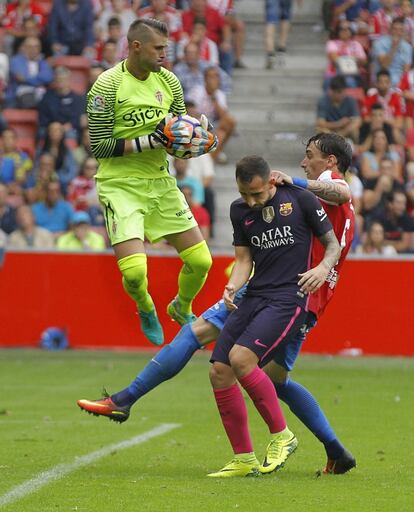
pixel 262 391
pixel 233 412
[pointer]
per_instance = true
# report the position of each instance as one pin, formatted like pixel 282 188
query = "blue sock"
pixel 169 361
pixel 303 405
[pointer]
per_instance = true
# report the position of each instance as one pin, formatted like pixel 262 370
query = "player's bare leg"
pixel 194 252
pixel 302 403
pixel 132 262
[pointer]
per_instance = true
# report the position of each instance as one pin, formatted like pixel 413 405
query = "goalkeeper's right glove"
pixel 178 137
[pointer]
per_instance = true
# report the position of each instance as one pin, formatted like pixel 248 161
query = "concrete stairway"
pixel 275 109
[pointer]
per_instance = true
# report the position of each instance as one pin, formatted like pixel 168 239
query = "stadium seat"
pixel 79 67
pixel 25 123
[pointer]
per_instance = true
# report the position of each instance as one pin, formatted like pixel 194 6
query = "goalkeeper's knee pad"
pixel 134 270
pixel 197 258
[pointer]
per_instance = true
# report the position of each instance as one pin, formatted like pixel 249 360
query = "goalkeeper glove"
pixel 178 137
pixel 205 140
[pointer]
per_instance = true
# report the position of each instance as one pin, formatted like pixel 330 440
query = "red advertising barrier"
pixel 370 314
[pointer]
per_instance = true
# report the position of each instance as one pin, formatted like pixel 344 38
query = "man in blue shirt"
pixel 337 112
pixel 393 52
pixel 70 27
pixel 54 213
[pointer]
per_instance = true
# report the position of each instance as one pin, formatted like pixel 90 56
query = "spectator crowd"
pixel 51 52
pixel 368 98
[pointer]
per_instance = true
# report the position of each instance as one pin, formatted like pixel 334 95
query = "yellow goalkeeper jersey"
pixel 121 107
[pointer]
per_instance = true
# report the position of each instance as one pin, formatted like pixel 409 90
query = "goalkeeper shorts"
pixel 143 208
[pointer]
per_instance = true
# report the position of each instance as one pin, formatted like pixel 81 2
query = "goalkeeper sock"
pixel 197 262
pixel 303 404
pixel 134 273
pixel 169 361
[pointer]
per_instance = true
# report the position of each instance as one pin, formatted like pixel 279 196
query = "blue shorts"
pixel 277 10
pixel 261 325
pixel 288 350
pixel 218 314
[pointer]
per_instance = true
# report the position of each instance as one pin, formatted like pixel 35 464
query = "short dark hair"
pixel 114 22
pixel 398 19
pixel 334 144
pixel 250 166
pixel 383 72
pixel 337 83
pixel 141 28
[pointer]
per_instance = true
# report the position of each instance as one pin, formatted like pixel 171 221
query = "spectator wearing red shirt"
pixel 382 19
pixel 208 51
pixel 226 8
pixel 160 10
pixel 217 29
pixel 82 189
pixel 13 22
pixel 390 99
pixel 407 90
pixel 200 213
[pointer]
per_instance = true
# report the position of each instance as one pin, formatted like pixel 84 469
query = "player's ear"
pixel 272 178
pixel 136 45
pixel 332 161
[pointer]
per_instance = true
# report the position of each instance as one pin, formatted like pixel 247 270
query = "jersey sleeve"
pixel 239 237
pixel 178 105
pixel 315 214
pixel 101 116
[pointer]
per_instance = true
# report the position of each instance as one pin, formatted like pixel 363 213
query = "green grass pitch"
pixel 370 402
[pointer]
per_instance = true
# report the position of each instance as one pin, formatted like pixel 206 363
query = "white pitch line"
pixel 61 470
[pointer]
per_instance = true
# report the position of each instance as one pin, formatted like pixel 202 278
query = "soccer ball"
pixel 186 125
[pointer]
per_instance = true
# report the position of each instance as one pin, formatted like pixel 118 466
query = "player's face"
pixel 151 54
pixel 316 162
pixel 256 193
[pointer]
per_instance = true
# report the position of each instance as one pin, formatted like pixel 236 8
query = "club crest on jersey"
pixel 268 214
pixel 98 104
pixel 159 97
pixel 285 209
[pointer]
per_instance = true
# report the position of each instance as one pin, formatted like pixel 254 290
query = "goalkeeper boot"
pixel 278 451
pixel 105 407
pixel 151 327
pixel 340 465
pixel 174 311
pixel 237 467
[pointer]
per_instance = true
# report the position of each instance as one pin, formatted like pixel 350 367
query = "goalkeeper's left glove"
pixel 205 140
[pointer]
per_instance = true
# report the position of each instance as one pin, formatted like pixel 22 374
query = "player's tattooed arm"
pixel 330 191
pixel 337 193
pixel 314 278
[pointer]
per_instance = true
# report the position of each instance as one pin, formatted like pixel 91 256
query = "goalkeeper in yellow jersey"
pixel 127 108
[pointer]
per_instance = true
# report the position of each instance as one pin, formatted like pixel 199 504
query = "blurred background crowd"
pixel 51 51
